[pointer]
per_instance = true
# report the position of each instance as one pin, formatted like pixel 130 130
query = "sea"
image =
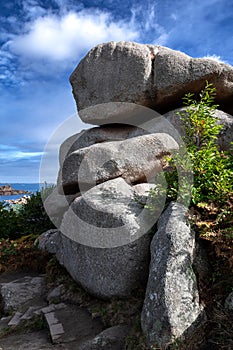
pixel 31 187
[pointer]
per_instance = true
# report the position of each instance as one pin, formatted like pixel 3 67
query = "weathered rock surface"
pixel 97 135
pixel 112 338
pixel 105 244
pixel 225 137
pixel 57 204
pixel 176 74
pixel 171 306
pixel 55 294
pixel 152 76
pixel 137 159
pixel 129 81
pixel 18 293
pixel 48 240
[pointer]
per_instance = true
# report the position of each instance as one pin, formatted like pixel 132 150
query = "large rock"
pixel 105 240
pixel 225 137
pixel 17 294
pixel 171 307
pixel 176 74
pixel 92 136
pixel 136 160
pixel 119 72
pixel 152 76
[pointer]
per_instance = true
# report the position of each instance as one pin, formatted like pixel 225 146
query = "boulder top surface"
pixel 152 76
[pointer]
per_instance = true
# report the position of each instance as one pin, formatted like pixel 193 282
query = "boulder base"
pixel 171 307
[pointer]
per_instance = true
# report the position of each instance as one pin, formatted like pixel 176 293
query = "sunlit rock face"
pixel 152 76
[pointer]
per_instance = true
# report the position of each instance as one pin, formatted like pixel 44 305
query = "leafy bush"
pixel 29 218
pixel 33 217
pixel 212 168
pixel 9 222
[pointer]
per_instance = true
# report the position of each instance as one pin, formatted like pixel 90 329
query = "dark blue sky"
pixel 42 42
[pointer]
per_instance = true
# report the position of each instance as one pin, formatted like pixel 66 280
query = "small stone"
pixel 56 331
pixel 51 318
pixel 53 307
pixel 15 321
pixel 112 338
pixel 29 314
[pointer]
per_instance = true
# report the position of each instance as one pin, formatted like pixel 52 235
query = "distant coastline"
pixel 8 190
pixel 31 188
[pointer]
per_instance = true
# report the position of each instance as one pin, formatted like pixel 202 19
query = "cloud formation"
pixel 67 37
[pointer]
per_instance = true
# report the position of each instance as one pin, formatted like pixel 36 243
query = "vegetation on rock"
pixel 210 210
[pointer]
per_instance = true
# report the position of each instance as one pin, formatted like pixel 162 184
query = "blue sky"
pixel 41 42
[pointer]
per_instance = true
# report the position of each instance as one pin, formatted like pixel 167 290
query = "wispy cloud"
pixel 10 153
pixel 145 17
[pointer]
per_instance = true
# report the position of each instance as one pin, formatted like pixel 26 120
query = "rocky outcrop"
pixel 7 190
pixel 171 307
pixel 104 233
pixel 152 76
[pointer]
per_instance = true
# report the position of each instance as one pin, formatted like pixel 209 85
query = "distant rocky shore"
pixel 7 190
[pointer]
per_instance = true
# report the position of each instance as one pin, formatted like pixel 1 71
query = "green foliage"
pixel 212 169
pixel 9 222
pixel 29 218
pixel 33 216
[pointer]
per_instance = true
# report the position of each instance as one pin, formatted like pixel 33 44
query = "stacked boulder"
pixel 106 238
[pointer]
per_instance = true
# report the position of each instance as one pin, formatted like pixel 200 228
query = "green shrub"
pixel 33 217
pixel 29 218
pixel 9 222
pixel 212 168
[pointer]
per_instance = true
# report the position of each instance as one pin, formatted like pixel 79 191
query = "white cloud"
pixel 67 37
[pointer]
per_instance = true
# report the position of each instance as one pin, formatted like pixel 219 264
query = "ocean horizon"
pixel 31 187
